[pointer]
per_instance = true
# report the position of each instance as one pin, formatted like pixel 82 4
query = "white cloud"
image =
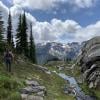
pixel 56 30
pixel 16 10
pixel 69 30
pixel 45 31
pixel 3 7
pixel 49 4
pixel 36 4
pixel 68 26
pixel 88 32
pixel 4 10
pixel 82 3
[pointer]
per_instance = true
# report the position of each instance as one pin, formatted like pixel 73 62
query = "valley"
pixel 49 50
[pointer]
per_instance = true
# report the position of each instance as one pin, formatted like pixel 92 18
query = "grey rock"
pixel 41 93
pixel 32 82
pixel 48 72
pixel 90 61
pixel 29 90
pixel 32 89
pixel 24 96
pixel 41 87
pixel 91 85
pixel 31 97
pixel 80 79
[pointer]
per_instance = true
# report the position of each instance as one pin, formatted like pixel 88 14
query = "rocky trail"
pixel 33 91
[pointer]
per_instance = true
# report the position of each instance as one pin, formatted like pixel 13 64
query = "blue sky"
pixel 85 14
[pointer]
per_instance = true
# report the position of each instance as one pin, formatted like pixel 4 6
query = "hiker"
pixel 8 58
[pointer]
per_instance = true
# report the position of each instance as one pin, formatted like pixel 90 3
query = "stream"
pixel 79 94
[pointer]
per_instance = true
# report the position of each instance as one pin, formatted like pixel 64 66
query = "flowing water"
pixel 80 95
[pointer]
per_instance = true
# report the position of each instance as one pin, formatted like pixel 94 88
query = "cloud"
pixel 49 4
pixel 63 31
pixel 55 30
pixel 3 8
pixel 88 32
pixel 16 10
pixel 82 3
pixel 36 4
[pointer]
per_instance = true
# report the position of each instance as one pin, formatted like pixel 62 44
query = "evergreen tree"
pixel 1 33
pixel 32 53
pixel 12 42
pixel 19 37
pixel 9 30
pixel 24 43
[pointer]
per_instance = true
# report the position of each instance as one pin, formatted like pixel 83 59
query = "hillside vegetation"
pixel 22 69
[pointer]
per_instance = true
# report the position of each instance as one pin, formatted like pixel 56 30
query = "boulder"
pixel 41 93
pixel 24 96
pixel 89 59
pixel 29 90
pixel 32 82
pixel 32 97
pixel 48 72
pixel 91 85
pixel 97 83
pixel 41 87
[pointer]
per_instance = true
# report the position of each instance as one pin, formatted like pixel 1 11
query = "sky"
pixel 57 20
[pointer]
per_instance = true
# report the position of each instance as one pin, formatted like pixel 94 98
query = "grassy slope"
pixel 75 73
pixel 11 83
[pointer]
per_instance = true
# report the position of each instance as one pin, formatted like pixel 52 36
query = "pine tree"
pixel 1 33
pixel 9 30
pixel 32 53
pixel 24 42
pixel 19 37
pixel 12 42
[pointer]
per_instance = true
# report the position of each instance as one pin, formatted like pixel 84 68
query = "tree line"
pixel 22 45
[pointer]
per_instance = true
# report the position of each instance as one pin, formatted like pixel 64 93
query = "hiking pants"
pixel 8 65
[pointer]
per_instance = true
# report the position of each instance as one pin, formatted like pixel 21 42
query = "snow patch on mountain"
pixel 51 50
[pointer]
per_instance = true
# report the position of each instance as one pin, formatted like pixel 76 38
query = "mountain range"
pixel 56 51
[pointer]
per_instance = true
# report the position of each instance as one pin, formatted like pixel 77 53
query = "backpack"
pixel 8 56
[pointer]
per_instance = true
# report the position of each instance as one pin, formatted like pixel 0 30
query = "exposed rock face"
pixel 90 62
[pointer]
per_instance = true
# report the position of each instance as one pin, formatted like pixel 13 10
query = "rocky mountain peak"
pixel 50 50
